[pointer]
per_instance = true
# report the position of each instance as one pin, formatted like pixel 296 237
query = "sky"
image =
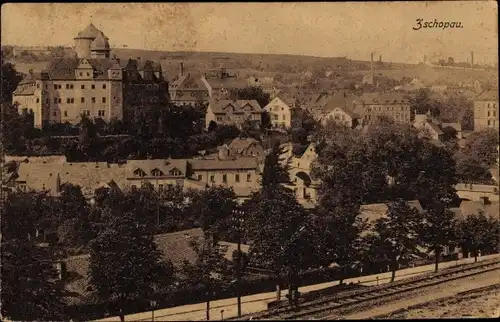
pixel 316 29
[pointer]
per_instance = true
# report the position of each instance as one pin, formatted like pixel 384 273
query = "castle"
pixel 90 83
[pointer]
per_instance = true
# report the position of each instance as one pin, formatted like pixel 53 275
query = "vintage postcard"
pixel 249 161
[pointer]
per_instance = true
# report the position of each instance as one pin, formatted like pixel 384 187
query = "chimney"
pixel 371 69
pixel 182 69
pixel 380 58
pixel 472 58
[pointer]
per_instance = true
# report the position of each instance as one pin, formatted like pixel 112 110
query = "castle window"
pixel 101 112
pixel 66 113
pixel 88 74
pixel 104 99
pixel 237 177
pixel 70 86
pixel 59 86
pixel 55 86
pixel 249 178
pixel 93 86
pixel 72 100
pixel 93 98
pixel 175 172
pixel 37 100
pixel 82 100
pixel 82 87
pixel 212 179
pixel 68 100
pixel 67 86
pixel 103 86
pixel 200 177
pixel 488 113
pixel 224 178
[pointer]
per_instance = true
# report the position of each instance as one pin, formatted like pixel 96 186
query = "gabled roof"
pixel 240 145
pixel 489 95
pixel 219 106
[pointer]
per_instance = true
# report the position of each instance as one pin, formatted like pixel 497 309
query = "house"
pixel 477 192
pixel 248 147
pixel 302 184
pixel 391 104
pixel 90 83
pixel 189 89
pixel 233 112
pixel 428 126
pixel 486 110
pixel 340 109
pixel 280 113
pixel 242 173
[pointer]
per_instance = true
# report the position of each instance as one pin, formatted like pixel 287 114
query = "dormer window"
pixel 139 173
pixel 156 173
pixel 175 172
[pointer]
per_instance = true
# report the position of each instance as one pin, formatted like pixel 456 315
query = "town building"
pixel 340 109
pixel 91 83
pixel 248 147
pixel 221 83
pixel 434 129
pixel 372 105
pixel 233 112
pixel 299 169
pixel 189 88
pixel 486 110
pixel 241 173
pixel 280 112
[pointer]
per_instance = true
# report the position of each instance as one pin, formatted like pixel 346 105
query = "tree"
pixel 214 207
pixel 423 102
pixel 125 264
pixel 438 229
pixel 250 93
pixel 275 173
pixel 10 80
pixel 210 271
pixel 482 146
pixel 396 236
pixel 30 287
pixel 476 234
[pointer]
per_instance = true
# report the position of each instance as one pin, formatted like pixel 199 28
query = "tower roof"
pixel 100 43
pixel 90 32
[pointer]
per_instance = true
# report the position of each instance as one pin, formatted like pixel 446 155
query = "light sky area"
pixel 317 29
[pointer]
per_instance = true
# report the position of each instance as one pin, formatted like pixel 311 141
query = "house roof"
pixel 489 95
pixel 456 126
pixel 435 128
pixel 226 83
pixel 100 42
pixel 164 165
pixel 382 98
pixel 216 164
pixel 59 159
pixel 373 212
pixel 88 175
pixel 239 106
pixel 239 145
pixel 24 90
pixel 173 246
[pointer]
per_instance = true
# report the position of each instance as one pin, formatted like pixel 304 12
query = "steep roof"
pixel 216 164
pixel 219 106
pixel 90 32
pixel 489 95
pixel 164 165
pixel 100 43
pixel 239 144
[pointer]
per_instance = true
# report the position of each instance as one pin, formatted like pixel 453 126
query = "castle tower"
pixel 100 47
pixel 84 40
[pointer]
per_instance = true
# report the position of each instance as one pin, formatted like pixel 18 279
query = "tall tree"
pixel 125 263
pixel 438 229
pixel 10 80
pixel 476 234
pixel 396 235
pixel 275 168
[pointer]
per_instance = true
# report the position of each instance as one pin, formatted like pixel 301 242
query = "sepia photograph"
pixel 190 161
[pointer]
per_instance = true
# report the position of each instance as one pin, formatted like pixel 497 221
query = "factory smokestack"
pixel 472 58
pixel 380 58
pixel 371 69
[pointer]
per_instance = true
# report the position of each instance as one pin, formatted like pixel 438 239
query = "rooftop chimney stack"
pixel 371 70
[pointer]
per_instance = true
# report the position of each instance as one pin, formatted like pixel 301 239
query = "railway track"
pixel 326 307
